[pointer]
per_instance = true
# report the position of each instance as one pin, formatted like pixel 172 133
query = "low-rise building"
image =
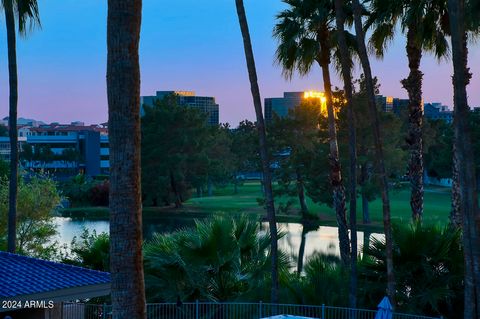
pixel 32 288
pixel 5 146
pixel 62 149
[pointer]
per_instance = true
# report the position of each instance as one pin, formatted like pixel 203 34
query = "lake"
pixel 318 239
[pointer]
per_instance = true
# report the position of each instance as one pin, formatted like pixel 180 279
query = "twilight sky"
pixel 185 45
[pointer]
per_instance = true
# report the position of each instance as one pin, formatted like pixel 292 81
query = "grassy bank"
pixel 437 206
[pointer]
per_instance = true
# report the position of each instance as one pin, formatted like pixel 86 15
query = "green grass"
pixel 437 207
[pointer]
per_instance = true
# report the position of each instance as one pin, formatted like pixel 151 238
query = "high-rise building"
pixel 385 103
pixel 392 104
pixel 435 111
pixel 281 105
pixel 400 106
pixel 205 104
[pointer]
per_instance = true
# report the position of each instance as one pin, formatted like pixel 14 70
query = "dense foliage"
pixel 428 270
pixel 90 250
pixel 180 152
pixel 38 198
pixel 218 260
pixel 227 259
pixel 82 190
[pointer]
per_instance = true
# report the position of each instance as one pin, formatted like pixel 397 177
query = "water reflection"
pixel 300 241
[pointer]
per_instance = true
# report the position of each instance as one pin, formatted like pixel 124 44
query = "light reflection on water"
pixel 320 239
pixel 323 239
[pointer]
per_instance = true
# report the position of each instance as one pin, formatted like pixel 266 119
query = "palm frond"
pixel 28 15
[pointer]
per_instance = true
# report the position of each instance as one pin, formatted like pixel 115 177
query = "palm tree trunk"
pixel 366 238
pixel 455 214
pixel 365 204
pixel 176 192
pixel 301 250
pixel 465 161
pixel 380 159
pixel 339 201
pixel 352 147
pixel 301 195
pixel 12 124
pixel 262 137
pixel 413 85
pixel 123 90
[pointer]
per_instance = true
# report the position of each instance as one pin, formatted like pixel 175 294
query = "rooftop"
pixel 30 278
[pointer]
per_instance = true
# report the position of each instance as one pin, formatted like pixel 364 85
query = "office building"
pixel 281 105
pixel 385 103
pixel 205 104
pixel 392 104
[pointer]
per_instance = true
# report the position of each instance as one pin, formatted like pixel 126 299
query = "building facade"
pixel 281 105
pixel 433 111
pixel 5 146
pixel 62 149
pixel 437 111
pixel 205 104
pixel 392 104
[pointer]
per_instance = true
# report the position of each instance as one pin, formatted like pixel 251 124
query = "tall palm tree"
pixel 346 68
pixel 380 158
pixel 262 137
pixel 27 11
pixel 425 24
pixel 455 213
pixel 464 158
pixel 123 90
pixel 472 25
pixel 305 34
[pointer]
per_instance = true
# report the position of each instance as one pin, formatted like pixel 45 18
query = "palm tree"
pixel 424 23
pixel 304 32
pixel 123 90
pixel 262 137
pixel 380 158
pixel 27 11
pixel 428 269
pixel 464 160
pixel 236 256
pixel 455 214
pixel 346 68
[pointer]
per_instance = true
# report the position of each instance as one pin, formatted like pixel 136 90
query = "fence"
pixel 209 310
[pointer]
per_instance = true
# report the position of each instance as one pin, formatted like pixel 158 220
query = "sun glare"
pixel 317 95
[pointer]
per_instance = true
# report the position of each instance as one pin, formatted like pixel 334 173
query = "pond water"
pixel 316 239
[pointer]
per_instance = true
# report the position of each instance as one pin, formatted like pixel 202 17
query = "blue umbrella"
pixel 384 309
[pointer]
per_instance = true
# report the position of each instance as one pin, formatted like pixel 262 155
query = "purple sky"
pixel 185 45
